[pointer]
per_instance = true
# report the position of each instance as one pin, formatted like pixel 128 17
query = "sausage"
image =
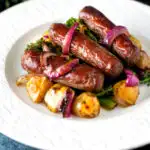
pixel 101 25
pixel 30 61
pixel 82 77
pixel 87 50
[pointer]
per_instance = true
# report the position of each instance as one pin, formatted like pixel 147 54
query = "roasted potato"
pixel 144 62
pixel 135 41
pixel 125 96
pixel 37 87
pixel 55 96
pixel 86 105
pixel 22 80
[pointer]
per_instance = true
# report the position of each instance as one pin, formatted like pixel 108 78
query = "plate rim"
pixel 31 109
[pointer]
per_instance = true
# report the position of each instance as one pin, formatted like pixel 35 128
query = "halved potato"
pixel 124 95
pixel 37 87
pixel 144 62
pixel 86 105
pixel 135 41
pixel 22 80
pixel 55 96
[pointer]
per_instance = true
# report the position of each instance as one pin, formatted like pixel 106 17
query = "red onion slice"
pixel 46 38
pixel 68 66
pixel 128 72
pixel 62 70
pixel 68 39
pixel 68 103
pixel 132 79
pixel 112 34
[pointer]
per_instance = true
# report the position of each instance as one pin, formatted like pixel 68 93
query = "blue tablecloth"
pixel 9 144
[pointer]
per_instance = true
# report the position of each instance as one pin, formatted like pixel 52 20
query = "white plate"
pixel 33 124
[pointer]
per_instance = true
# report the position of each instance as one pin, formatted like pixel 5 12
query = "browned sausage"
pixel 81 77
pixel 88 50
pixel 30 61
pixel 100 24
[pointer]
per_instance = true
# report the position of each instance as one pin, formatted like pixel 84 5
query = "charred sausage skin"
pixel 101 25
pixel 87 50
pixel 82 77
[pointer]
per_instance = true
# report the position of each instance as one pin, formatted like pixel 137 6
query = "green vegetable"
pixel 146 78
pixel 37 46
pixel 105 97
pixel 91 35
pixel 107 102
pixel 107 91
pixel 70 22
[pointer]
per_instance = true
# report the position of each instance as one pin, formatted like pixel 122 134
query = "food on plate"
pixel 111 35
pixel 144 62
pixel 22 80
pixel 87 50
pixel 72 70
pixel 59 98
pixel 145 77
pixel 61 70
pixel 125 95
pixel 108 102
pixel 135 41
pixel 37 87
pixel 30 61
pixel 86 105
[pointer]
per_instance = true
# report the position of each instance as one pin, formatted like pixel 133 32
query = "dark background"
pixel 7 143
pixel 4 4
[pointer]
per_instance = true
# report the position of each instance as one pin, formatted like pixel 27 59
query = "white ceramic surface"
pixel 33 124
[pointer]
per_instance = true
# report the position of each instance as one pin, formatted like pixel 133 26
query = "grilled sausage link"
pixel 30 61
pixel 101 25
pixel 88 50
pixel 81 77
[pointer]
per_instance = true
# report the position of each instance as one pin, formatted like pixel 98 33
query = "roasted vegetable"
pixel 37 87
pixel 135 41
pixel 144 62
pixel 86 105
pixel 125 96
pixel 22 80
pixel 54 97
pixel 107 102
pixel 59 99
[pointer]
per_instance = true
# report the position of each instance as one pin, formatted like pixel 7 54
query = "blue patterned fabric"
pixel 9 144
